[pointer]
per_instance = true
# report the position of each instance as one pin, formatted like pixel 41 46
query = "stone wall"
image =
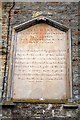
pixel 67 14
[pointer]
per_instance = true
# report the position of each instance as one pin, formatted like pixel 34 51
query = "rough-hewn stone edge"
pixel 65 102
pixel 61 101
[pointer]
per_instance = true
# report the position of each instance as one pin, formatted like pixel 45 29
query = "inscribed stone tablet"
pixel 40 63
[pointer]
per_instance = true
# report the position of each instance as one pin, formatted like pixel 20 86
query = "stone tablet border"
pixel 18 28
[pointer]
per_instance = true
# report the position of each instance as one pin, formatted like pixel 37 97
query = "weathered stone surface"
pixel 67 14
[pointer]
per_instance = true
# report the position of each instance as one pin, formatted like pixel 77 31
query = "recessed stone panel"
pixel 40 63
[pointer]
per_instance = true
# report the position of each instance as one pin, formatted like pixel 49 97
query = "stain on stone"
pixel 33 34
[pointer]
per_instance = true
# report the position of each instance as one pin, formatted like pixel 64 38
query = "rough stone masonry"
pixel 66 13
